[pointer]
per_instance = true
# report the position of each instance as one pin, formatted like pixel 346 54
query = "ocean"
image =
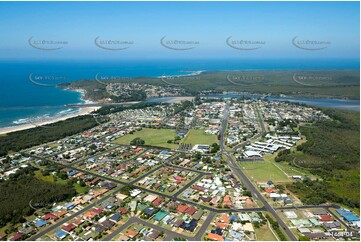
pixel 28 93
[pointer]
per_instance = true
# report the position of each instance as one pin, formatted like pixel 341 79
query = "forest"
pixel 338 84
pixel 23 189
pixel 331 152
pixel 24 139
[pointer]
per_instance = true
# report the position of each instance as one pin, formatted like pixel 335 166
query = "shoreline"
pixel 82 111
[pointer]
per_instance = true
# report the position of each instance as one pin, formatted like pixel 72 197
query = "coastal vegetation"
pixel 331 152
pixel 297 83
pixel 24 139
pixel 24 191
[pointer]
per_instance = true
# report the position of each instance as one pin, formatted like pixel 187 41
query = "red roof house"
pixel 180 178
pixel 190 211
pixel 216 237
pixel 137 150
pixel 201 189
pixel 16 236
pixel 68 228
pixel 123 210
pixel 326 218
pixel 182 208
pixel 157 201
pixel 49 216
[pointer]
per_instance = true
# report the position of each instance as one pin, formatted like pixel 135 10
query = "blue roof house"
pixel 60 234
pixel 41 223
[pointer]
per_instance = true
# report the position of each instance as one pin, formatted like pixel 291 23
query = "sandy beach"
pixel 178 99
pixel 83 111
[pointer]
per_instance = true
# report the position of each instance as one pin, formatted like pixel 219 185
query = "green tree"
pixel 137 141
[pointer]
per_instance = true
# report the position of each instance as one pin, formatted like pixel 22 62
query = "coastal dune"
pixel 82 111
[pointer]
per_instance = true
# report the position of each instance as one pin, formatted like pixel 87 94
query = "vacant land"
pixel 53 179
pixel 263 171
pixel 295 171
pixel 49 178
pixel 264 234
pixel 199 137
pixel 153 137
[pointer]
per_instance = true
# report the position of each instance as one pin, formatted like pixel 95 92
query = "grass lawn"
pixel 264 234
pixel 294 171
pixel 2 229
pixel 155 137
pixel 199 137
pixel 264 171
pixel 79 189
pixel 49 178
pixel 40 176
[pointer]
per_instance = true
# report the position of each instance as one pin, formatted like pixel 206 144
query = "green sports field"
pixel 199 137
pixel 263 171
pixel 154 137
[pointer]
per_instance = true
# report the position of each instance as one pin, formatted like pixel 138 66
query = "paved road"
pixel 246 182
pixel 204 227
pixel 169 233
pixel 213 211
pixel 189 169
pixel 152 170
pixel 349 229
pixel 187 185
pixel 260 120
pixel 325 206
pixel 258 135
pixel 97 154
pixel 172 197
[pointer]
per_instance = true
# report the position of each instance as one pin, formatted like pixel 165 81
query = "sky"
pixel 271 27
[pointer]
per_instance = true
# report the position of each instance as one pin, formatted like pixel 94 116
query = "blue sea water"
pixel 22 101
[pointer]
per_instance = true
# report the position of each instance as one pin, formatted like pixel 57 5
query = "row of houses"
pixel 234 227
pixel 315 224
